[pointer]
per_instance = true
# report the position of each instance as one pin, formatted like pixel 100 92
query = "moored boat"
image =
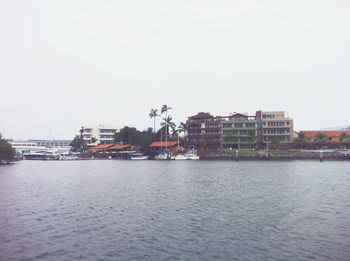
pixel 162 156
pixel 180 157
pixel 192 155
pixel 138 156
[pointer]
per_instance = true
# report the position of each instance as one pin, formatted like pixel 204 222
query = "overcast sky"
pixel 65 64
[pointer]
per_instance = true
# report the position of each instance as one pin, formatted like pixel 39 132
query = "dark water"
pixel 148 210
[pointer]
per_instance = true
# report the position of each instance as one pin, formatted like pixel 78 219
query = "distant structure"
pixel 342 128
pixel 103 134
pixel 22 146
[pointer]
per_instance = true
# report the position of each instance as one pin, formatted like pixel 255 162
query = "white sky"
pixel 64 64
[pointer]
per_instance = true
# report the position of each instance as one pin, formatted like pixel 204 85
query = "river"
pixel 178 210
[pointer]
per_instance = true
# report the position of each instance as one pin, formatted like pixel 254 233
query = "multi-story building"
pixel 239 131
pixel 204 130
pixel 274 126
pixel 102 133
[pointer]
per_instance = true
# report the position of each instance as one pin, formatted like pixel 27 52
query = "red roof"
pixel 329 134
pixel 103 146
pixel 118 147
pixel 163 144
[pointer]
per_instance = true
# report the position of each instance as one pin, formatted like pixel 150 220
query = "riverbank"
pixel 279 155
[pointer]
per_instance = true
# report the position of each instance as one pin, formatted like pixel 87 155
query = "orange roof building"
pixel 101 147
pixel 159 144
pixel 331 135
pixel 118 147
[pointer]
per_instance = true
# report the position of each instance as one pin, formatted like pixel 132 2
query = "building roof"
pixel 201 115
pixel 329 134
pixel 163 144
pixel 118 147
pixel 103 146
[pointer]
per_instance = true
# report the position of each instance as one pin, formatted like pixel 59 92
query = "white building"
pixel 102 133
pixel 22 146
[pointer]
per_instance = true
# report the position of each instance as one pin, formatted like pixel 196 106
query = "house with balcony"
pixel 239 131
pixel 274 126
pixel 102 133
pixel 204 131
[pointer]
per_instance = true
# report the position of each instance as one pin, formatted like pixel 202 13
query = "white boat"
pixel 162 156
pixel 138 156
pixel 41 155
pixel 192 155
pixel 180 157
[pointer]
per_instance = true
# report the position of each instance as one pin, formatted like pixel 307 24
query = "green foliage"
pixel 153 114
pixel 132 136
pixel 168 124
pixel 7 153
pixel 320 137
pixel 93 140
pixel 78 144
pixel 343 137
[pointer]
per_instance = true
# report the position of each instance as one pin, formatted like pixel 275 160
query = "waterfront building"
pixel 102 133
pixel 274 126
pixel 327 135
pixel 239 131
pixel 22 146
pixel 204 130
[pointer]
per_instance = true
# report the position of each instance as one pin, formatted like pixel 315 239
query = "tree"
pixel 343 137
pixel 78 144
pixel 301 139
pixel 168 122
pixel 183 128
pixel 320 137
pixel 132 136
pixel 93 140
pixel 165 109
pixel 7 153
pixel 153 114
pixel 81 131
pixel 276 142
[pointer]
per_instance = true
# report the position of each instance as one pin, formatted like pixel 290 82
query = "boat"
pixel 41 155
pixel 162 156
pixel 192 155
pixel 71 157
pixel 180 157
pixel 138 156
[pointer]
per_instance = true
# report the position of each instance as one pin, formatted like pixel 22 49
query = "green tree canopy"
pixel 7 153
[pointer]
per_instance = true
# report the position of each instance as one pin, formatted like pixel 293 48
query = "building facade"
pixel 239 131
pixel 274 126
pixel 102 133
pixel 22 146
pixel 204 130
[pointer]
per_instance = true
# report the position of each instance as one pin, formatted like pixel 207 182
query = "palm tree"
pixel 82 129
pixel 92 140
pixel 168 122
pixel 183 128
pixel 153 114
pixel 165 109
pixel 301 139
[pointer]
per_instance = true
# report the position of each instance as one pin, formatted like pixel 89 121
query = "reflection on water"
pixel 149 210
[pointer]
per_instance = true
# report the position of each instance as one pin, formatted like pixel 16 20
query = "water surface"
pixel 150 210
